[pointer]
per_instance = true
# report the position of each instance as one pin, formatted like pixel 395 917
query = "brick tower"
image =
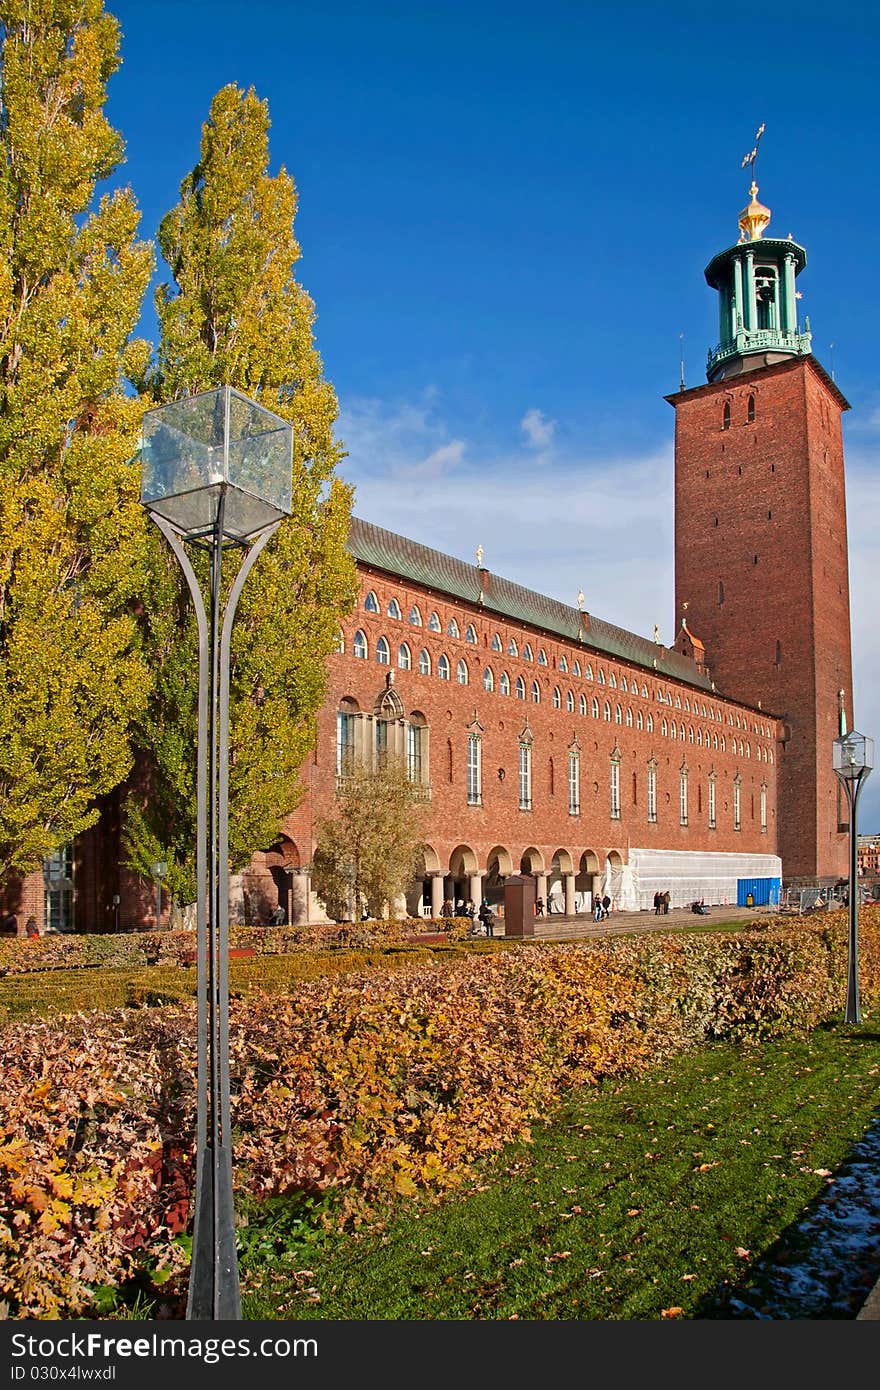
pixel 761 567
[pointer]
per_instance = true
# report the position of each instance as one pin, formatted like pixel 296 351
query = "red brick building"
pixel 549 741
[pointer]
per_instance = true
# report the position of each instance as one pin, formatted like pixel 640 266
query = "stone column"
pixel 300 897
pixel 568 880
pixel 751 300
pixel 436 894
pixel 476 889
pixel 541 890
pixel 597 887
pixel 738 310
pixel 790 321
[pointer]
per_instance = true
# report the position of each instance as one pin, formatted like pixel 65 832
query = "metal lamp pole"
pixel 216 474
pixel 853 760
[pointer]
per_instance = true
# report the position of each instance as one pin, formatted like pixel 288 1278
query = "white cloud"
pixel 537 428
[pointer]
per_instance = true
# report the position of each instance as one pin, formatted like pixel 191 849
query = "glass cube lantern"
pixel 853 755
pixel 216 444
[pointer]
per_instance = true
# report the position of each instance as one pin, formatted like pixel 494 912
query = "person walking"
pixel 487 917
pixel 539 907
pixel 606 905
pixel 657 903
pixel 666 902
pixel 598 910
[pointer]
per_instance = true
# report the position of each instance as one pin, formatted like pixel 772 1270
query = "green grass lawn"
pixel 649 1198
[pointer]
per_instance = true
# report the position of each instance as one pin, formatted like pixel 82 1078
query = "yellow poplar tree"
pixel 235 315
pixel 72 281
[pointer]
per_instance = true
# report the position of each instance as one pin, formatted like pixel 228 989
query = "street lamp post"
pixel 216 474
pixel 853 760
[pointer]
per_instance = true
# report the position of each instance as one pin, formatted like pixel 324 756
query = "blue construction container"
pixel 764 892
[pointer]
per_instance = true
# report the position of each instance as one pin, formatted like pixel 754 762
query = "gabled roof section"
pixel 396 555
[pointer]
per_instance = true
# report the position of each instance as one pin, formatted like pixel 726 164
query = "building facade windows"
pixel 471 634
pixel 712 820
pixel 615 786
pixel 443 667
pixel 452 628
pixel 652 791
pixel 574 782
pixel 415 616
pixel 582 704
pixel 394 609
pixel 527 652
pixel 489 679
pixel 525 774
pixel 359 645
pixel 569 701
pixel 504 684
pixel 763 804
pixel 383 654
pixel 434 623
pixel 520 688
pixel 737 803
pixel 683 795
pixel 404 657
pixel 461 673
pixel 424 663
pixel 557 697
pixel 371 603
pixel 496 643
pixel 344 741
pixel 536 693
pixel 474 769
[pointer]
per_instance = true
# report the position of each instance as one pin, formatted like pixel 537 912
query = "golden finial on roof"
pixel 753 218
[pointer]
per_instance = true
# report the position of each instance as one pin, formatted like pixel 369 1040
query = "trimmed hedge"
pixel 375 1084
pixel 60 951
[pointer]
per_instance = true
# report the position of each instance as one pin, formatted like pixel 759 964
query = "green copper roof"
pixel 395 555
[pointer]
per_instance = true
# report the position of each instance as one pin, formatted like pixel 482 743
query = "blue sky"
pixel 505 213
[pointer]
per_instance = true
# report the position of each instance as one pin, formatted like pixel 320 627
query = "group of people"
pixel 661 903
pixel 485 916
pixel 601 908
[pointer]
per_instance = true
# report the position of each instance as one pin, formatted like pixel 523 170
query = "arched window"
pixel 359 645
pixel 563 664
pixel 600 676
pixel 594 707
pixel 588 673
pixel 700 738
pixel 461 673
pixel 512 649
pixel 404 657
pixel 340 641
pixel 569 701
pixel 470 634
pixel 443 667
pixel 434 623
pixel 649 723
pixel 415 616
pixel 681 732
pixel 582 704
pixel 504 683
pixel 424 663
pixel 371 603
pixel 690 733
pixel 725 416
pixel 663 728
pixel 527 652
pixel 576 668
pixel 383 655
pixel 723 745
pixel 606 712
pixel 678 702
pixel 452 629
pixel 557 697
pixel 489 679
pixel 640 720
pixel 496 642
pixel 542 657
pixel 520 688
pixel 393 608
pixel 687 704
pixel 644 692
pixel 618 714
pixel 673 731
pixel 623 684
pixel 751 410
pixel 536 693
pixel 629 717
pixel 612 681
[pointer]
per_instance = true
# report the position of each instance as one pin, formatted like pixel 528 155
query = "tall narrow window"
pixel 557 697
pixel 424 663
pixel 536 693
pixel 359 645
pixel 520 688
pixel 615 787
pixel 712 801
pixel 344 742
pixel 574 782
pixel 443 666
pixel 471 634
pixel 652 791
pixel 683 796
pixel 414 752
pixel 381 741
pixel 751 410
pixel 404 657
pixel 737 804
pixel 569 701
pixel 474 770
pixel 489 679
pixel 725 416
pixel 461 673
pixel 504 684
pixel 525 776
pixel 763 808
pixel 383 655
pixel 720 592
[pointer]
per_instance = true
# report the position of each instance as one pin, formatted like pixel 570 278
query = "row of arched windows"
pixel 750 413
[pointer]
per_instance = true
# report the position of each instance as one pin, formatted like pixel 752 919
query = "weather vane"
pixel 753 153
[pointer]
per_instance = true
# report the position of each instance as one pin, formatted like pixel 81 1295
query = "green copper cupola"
pixel 757 299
